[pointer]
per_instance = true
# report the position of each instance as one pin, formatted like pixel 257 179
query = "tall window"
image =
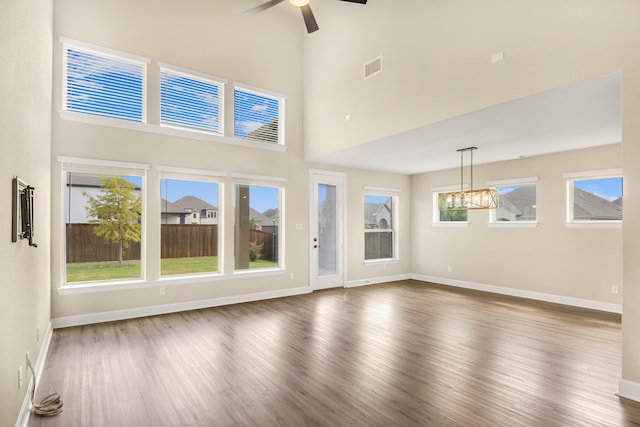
pixel 104 83
pixel 594 197
pixel 516 201
pixel 258 116
pixel 104 221
pixel 191 100
pixel 189 230
pixel 258 224
pixel 379 226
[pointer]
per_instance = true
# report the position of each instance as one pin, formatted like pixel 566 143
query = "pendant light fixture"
pixel 485 198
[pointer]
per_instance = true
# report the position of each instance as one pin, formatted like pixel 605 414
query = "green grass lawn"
pixel 94 271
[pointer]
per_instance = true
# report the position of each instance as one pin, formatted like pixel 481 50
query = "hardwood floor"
pixel 399 354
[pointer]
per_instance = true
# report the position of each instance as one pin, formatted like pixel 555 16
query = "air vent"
pixel 373 67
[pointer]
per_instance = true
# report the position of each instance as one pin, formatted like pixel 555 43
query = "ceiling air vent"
pixel 373 67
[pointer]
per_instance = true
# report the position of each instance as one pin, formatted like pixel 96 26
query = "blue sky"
pixel 95 80
pixel 607 188
pixel 260 198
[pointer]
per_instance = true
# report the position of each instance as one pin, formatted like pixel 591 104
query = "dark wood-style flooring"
pixel 399 354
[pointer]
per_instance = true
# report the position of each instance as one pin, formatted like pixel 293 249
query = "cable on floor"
pixel 49 406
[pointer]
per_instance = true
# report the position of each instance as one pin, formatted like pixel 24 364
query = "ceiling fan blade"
pixel 356 1
pixel 309 19
pixel 261 7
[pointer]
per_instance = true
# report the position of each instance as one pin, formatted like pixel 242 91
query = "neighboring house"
pixel 196 211
pixel 171 213
pixel 186 210
pixel 520 205
pixel 262 221
pixel 378 215
pixel 81 186
pixel 589 207
pixel 267 132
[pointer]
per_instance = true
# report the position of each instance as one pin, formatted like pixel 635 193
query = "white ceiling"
pixel 581 115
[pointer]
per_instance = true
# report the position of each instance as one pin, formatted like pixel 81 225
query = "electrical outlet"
pixel 291 276
pixel 615 289
pixel 163 291
pixel 449 269
pixel 19 377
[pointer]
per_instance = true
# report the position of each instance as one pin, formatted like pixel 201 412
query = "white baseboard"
pixel 38 367
pixel 376 280
pixel 110 316
pixel 629 390
pixel 557 299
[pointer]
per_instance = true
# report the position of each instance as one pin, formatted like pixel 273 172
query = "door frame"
pixel 340 180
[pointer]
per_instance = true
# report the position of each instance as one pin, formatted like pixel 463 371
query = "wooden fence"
pixel 176 241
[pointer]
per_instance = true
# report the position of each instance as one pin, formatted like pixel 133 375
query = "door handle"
pixel 316 246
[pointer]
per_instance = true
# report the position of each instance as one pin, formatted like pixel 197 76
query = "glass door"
pixel 327 230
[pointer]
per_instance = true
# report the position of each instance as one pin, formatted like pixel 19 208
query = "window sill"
pixel 513 224
pixel 594 224
pixel 451 224
pixel 370 262
pixel 169 130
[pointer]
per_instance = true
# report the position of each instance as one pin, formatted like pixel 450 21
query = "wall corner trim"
pixel 376 280
pixel 629 390
pixel 111 316
pixel 521 293
pixel 25 410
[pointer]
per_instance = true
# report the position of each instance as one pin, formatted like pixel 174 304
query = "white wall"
pixel 212 37
pixel 436 65
pixel 25 129
pixel 580 263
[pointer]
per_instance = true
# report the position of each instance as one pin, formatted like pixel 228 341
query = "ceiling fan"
pixel 304 7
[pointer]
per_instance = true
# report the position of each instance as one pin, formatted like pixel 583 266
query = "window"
pixel 444 216
pixel 103 220
pixel 190 100
pixel 258 223
pixel 516 201
pixel 189 231
pixel 594 197
pixel 379 225
pixel 258 116
pixel 104 83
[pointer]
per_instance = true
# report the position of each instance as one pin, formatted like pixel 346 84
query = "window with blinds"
pixel 104 84
pixel 191 101
pixel 258 116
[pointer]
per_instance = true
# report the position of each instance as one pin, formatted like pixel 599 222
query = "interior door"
pixel 327 229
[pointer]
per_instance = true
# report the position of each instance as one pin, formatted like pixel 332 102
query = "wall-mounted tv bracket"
pixel 23 210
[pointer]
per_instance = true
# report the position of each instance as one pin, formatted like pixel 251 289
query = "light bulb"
pixel 299 3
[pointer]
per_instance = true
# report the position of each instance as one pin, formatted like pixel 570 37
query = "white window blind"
pixel 258 116
pixel 104 84
pixel 191 101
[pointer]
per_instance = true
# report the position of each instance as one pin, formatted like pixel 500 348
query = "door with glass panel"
pixel 327 229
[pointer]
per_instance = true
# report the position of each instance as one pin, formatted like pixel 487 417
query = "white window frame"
pixel 106 53
pixel 570 178
pixel 187 174
pixel 436 191
pixel 265 181
pixel 394 194
pixel 267 94
pixel 199 77
pixel 96 166
pixel 513 182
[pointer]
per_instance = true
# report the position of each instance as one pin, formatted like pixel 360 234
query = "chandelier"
pixel 485 198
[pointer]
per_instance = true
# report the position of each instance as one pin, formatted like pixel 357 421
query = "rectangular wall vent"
pixel 373 67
